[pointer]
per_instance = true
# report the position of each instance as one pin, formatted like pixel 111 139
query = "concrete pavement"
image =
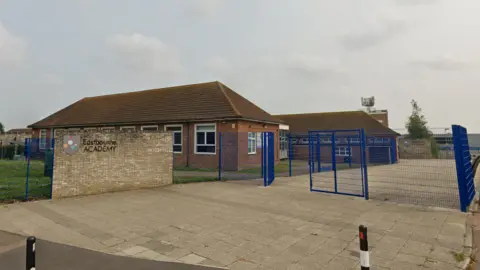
pixel 241 225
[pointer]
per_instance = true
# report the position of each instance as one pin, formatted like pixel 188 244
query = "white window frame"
pixel 253 143
pixel 107 128
pixel 354 140
pixel 344 153
pixel 195 140
pixel 149 126
pixel 173 138
pixel 90 128
pixel 42 143
pixel 128 128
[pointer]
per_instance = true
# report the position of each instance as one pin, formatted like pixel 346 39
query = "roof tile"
pixel 204 101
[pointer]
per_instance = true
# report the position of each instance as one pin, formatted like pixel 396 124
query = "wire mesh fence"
pixel 27 175
pixel 337 161
pixel 424 173
pixel 227 156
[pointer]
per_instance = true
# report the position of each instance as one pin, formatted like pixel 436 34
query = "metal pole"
pixel 334 162
pixel 290 147
pixel 30 262
pixel 364 255
pixel 29 151
pixel 220 157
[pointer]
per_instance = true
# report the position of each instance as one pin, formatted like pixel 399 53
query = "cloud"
pixel 444 63
pixel 312 65
pixel 416 2
pixel 13 49
pixel 372 34
pixel 218 63
pixel 205 8
pixel 144 54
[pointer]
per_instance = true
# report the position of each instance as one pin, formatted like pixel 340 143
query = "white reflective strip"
pixel 364 259
pixel 33 247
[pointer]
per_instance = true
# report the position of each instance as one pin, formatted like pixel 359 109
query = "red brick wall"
pixel 246 160
pixel 234 145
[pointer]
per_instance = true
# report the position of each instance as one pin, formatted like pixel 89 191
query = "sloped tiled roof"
pixel 302 123
pixel 195 102
pixel 19 130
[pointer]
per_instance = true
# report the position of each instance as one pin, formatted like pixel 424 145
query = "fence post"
pixel 264 158
pixel 29 151
pixel 30 259
pixel 363 149
pixel 334 162
pixel 290 147
pixel 349 147
pixel 309 164
pixel 364 255
pixel 318 153
pixel 220 138
pixel 53 166
pixel 461 178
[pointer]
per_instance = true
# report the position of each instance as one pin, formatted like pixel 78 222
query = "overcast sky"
pixel 286 56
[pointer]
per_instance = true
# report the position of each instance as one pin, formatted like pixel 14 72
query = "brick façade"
pixel 138 160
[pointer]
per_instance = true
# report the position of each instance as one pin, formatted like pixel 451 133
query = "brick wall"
pixel 139 160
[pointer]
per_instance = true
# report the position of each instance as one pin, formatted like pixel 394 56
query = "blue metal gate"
pixel 268 158
pixel 337 162
pixel 466 184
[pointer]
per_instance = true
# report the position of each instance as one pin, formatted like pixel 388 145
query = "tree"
pixel 417 123
pixel 417 128
pixel 2 128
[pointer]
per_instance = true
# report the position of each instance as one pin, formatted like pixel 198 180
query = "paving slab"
pixel 240 224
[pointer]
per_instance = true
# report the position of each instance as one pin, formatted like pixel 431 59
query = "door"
pixel 283 144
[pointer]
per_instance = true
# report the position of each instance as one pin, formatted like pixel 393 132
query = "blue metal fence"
pixel 465 177
pixel 29 174
pixel 337 162
pixel 234 156
pixel 381 149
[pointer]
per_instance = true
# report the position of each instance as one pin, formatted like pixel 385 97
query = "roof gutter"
pixel 154 122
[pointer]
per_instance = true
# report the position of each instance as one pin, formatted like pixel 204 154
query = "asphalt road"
pixel 53 256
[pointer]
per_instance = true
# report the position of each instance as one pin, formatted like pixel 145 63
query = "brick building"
pixel 380 115
pixel 380 138
pixel 15 135
pixel 196 115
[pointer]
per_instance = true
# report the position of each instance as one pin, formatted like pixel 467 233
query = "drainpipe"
pixel 188 145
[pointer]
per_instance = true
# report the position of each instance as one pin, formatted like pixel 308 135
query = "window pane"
pixel 177 148
pixel 200 138
pixel 174 128
pixel 206 128
pixel 210 137
pixel 205 149
pixel 150 128
pixel 177 138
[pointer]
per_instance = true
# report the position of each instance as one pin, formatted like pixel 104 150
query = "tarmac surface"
pixel 54 256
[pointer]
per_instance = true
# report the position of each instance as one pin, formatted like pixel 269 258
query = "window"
pixel 149 128
pixel 108 128
pixel 43 139
pixel 205 139
pixel 252 143
pixel 177 137
pixel 343 151
pixel 326 140
pixel 130 128
pixel 354 140
pixel 90 129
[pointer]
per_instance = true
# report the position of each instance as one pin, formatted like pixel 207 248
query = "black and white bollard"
pixel 364 255
pixel 30 265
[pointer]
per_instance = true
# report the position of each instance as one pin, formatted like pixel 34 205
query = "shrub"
pixel 8 151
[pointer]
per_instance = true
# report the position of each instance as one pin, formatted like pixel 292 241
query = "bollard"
pixel 30 265
pixel 364 255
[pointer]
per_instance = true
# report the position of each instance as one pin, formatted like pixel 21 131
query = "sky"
pixel 285 56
